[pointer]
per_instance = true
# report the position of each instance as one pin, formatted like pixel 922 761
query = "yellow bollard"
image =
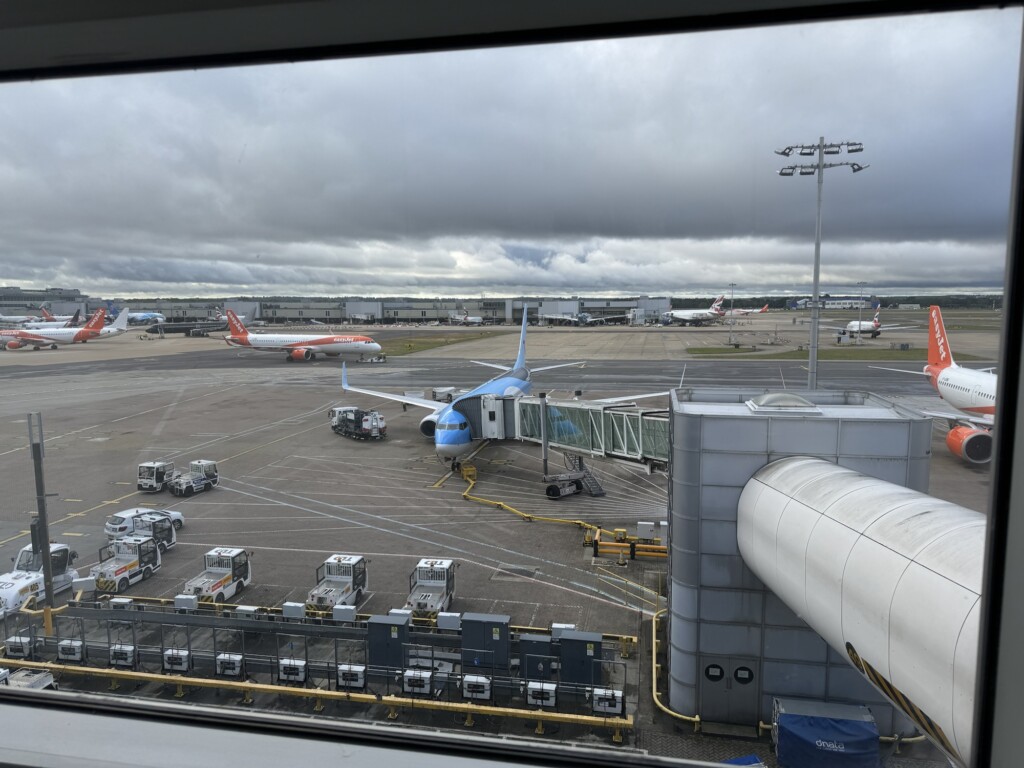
pixel 319 705
pixel 539 730
pixel 392 713
pixel 180 693
pixel 469 720
pixel 617 736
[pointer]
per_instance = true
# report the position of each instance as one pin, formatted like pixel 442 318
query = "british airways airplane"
pixel 449 428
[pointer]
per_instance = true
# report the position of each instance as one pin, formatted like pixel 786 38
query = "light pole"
pixel 809 150
pixel 732 315
pixel 860 311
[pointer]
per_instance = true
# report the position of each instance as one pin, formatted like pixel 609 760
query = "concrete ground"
pixel 293 492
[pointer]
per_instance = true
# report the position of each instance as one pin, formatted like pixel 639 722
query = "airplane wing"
pixel 560 365
pixel 898 327
pixel 491 365
pixel 418 401
pixel 898 370
pixel 607 318
pixel 977 421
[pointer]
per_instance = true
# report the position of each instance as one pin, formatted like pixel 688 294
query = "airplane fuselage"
pixel 452 436
pixel 331 345
pixel 965 389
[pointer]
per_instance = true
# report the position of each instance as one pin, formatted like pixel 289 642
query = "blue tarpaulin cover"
pixel 752 760
pixel 806 741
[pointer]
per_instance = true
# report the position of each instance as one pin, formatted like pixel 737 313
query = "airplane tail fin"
pixel 46 313
pixel 716 307
pixel 877 319
pixel 235 325
pixel 763 309
pixel 939 353
pixel 97 320
pixel 121 321
pixel 73 322
pixel 521 359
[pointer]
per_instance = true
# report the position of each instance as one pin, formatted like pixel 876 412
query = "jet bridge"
pixel 597 429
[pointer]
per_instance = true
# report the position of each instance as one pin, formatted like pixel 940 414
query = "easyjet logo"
pixel 940 338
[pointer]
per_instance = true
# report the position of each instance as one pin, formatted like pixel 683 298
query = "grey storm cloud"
pixel 627 166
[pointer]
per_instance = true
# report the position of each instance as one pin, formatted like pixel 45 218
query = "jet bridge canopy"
pixel 598 429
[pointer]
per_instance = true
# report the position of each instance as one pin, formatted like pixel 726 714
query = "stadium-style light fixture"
pixel 821 149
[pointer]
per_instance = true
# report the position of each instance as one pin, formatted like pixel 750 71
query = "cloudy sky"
pixel 641 166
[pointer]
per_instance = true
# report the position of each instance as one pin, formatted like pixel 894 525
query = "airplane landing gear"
pixel 456 466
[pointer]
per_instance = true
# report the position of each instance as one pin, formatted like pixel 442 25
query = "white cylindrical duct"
pixel 889 577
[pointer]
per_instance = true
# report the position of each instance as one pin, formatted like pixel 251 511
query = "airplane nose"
pixel 450 450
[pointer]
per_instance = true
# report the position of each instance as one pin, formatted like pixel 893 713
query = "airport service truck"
pixel 26 580
pixel 154 475
pixel 226 570
pixel 340 580
pixel 355 422
pixel 124 562
pixel 201 476
pixel 431 588
pixel 38 679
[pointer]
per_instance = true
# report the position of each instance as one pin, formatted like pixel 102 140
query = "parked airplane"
pixel 68 321
pixel 191 327
pixel 872 327
pixel 970 391
pixel 137 318
pixel 18 319
pixel 49 318
pixel 448 425
pixel 695 316
pixel 95 328
pixel 742 312
pixel 299 346
pixel 466 319
pixel 224 318
pixel 583 318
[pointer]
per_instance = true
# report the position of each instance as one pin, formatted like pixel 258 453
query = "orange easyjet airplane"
pixel 53 337
pixel 299 346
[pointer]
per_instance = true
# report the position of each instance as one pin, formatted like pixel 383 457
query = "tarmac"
pixel 293 492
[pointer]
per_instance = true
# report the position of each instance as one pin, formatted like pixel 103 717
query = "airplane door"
pixel 729 690
pixel 492 417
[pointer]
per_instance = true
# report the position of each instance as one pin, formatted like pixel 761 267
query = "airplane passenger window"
pixel 636 225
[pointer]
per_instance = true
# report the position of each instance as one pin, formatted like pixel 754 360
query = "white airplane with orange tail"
pixel 742 312
pixel 970 391
pixel 95 328
pixel 299 346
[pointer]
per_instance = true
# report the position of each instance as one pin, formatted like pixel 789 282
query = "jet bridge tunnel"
pixel 619 431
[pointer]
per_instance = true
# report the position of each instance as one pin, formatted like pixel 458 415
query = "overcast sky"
pixel 641 166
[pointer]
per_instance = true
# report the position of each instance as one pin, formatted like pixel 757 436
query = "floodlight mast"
pixel 818 169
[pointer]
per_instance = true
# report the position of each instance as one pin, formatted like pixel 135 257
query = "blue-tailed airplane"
pixel 450 429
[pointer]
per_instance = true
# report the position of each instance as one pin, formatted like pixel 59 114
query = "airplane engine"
pixel 971 444
pixel 300 354
pixel 875 334
pixel 429 425
pixel 13 345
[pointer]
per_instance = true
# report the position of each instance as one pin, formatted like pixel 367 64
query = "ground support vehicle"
pixel 154 475
pixel 26 580
pixel 226 571
pixel 124 562
pixel 431 588
pixel 340 580
pixel 159 527
pixel 39 679
pixel 355 422
pixel 201 476
pixel 126 522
